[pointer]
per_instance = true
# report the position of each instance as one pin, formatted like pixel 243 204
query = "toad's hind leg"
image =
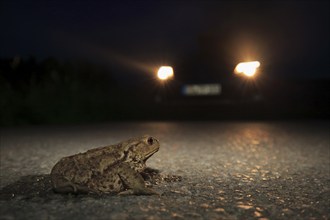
pixel 133 181
pixel 63 185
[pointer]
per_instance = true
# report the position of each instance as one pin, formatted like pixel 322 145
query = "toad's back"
pixel 82 167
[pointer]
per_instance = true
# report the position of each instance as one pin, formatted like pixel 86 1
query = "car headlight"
pixel 249 69
pixel 165 73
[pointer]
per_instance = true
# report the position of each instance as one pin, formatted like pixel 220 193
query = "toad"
pixel 111 169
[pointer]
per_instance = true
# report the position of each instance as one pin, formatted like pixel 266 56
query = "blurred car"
pixel 198 83
pixel 222 70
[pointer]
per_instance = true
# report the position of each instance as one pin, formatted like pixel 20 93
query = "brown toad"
pixel 110 169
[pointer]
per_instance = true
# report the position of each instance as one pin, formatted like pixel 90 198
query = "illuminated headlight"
pixel 165 73
pixel 249 69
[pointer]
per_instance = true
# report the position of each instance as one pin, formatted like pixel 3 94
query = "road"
pixel 210 170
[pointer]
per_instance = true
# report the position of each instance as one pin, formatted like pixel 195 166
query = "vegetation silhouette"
pixel 51 91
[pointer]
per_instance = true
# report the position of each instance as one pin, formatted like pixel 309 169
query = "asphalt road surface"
pixel 208 170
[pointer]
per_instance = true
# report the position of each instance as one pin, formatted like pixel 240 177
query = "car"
pixel 197 83
pixel 222 70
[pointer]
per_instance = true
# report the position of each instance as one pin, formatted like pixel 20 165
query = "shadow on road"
pixel 28 187
pixel 40 186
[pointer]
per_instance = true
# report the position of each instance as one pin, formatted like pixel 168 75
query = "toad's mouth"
pixel 148 155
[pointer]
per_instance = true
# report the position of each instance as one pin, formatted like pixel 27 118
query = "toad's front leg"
pixel 133 181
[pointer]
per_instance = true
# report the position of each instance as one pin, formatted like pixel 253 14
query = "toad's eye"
pixel 150 141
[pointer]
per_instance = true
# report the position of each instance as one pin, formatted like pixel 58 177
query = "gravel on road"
pixel 208 170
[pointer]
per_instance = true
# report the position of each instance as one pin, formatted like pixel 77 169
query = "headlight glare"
pixel 249 69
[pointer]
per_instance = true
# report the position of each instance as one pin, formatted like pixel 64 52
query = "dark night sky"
pixel 137 33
